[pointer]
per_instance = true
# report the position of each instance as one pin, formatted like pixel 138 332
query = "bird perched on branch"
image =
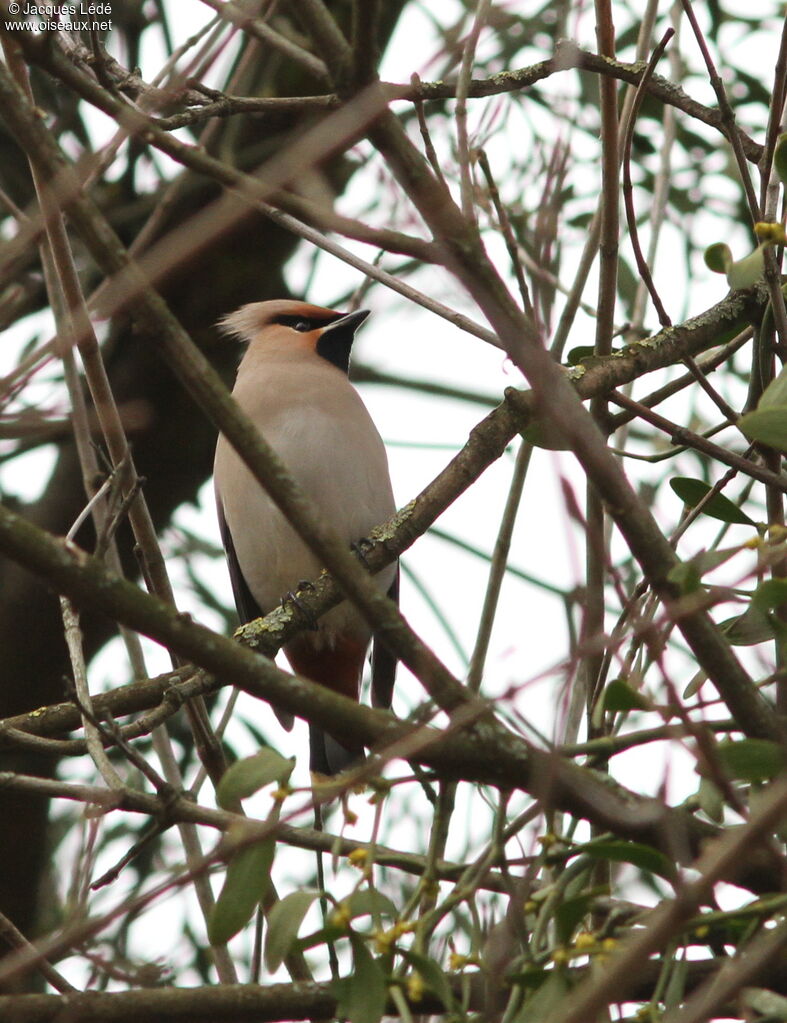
pixel 293 384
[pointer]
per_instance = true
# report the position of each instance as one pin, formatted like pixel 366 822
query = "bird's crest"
pixel 250 319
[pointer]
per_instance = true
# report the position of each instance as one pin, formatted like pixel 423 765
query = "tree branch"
pixel 481 750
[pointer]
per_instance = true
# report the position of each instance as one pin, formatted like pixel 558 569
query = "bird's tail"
pixel 327 756
pixel 338 668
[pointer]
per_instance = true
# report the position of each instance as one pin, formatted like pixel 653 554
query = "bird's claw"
pixel 360 548
pixel 292 597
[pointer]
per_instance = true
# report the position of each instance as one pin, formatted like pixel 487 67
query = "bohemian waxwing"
pixel 293 385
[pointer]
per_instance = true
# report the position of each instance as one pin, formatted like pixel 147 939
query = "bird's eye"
pixel 303 326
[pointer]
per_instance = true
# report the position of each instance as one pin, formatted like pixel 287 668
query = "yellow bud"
pixel 415 987
pixel 768 231
pixel 702 931
pixel 560 956
pixel 457 961
pixel 584 940
pixel 548 840
pixel 383 940
pixel 358 857
pixel 380 789
pixel 340 917
pixel 281 793
pixel 609 944
pixel 350 816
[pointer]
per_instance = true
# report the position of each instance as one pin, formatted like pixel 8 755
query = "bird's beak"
pixel 347 324
pixel 335 341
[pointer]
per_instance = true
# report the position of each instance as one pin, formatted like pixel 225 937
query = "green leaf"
pixel 686 575
pixel 710 799
pixel 759 796
pixel 620 696
pixel 643 856
pixel 692 491
pixel 284 921
pixel 780 158
pixel 764 1002
pixel 245 777
pixel 331 932
pixel 718 258
pixel 749 628
pixel 530 978
pixel 370 902
pixel 751 760
pixel 543 434
pixel 695 684
pixel 770 594
pixel 775 394
pixel 768 422
pixel 579 354
pixel 246 883
pixel 362 997
pixel 433 976
pixel 546 999
pixel 571 911
pixel 767 425
pixel 675 992
pixel 706 561
pixel 747 271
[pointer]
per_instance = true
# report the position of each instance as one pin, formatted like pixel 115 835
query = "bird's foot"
pixel 360 548
pixel 292 597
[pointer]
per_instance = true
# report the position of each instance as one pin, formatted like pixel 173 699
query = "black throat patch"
pixel 335 346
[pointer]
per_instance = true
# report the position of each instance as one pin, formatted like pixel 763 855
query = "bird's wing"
pixel 247 606
pixel 383 661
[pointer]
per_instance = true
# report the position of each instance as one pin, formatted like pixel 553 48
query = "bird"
pixel 293 383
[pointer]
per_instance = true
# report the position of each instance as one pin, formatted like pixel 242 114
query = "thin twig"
pixel 610 188
pixel 464 156
pixel 13 937
pixel 769 188
pixel 497 567
pixel 73 635
pixel 680 435
pixel 508 234
pixel 628 197
pixel 723 406
pixel 719 358
pixel 616 980
pixel 259 29
pixel 423 127
pixel 727 114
